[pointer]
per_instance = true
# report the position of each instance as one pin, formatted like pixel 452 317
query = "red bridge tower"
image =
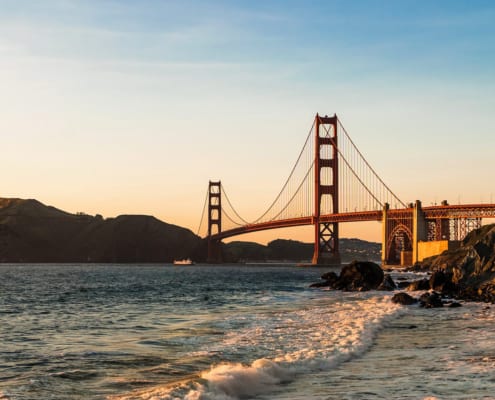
pixel 326 250
pixel 214 221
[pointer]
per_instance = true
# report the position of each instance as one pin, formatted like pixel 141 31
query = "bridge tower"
pixel 326 248
pixel 214 221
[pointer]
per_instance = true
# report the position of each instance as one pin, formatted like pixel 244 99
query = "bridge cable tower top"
pixel 359 187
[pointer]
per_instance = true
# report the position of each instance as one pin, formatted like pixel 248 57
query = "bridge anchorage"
pixel 331 183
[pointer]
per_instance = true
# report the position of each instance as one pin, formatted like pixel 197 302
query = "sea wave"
pixel 317 338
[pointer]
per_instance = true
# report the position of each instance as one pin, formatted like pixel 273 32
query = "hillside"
pixel 33 232
pixel 280 250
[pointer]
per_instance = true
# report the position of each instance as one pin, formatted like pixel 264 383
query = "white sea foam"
pixel 298 342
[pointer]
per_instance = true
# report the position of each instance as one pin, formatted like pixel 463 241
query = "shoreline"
pixel 422 354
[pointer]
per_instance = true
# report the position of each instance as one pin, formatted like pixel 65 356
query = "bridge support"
pixel 214 252
pixel 214 221
pixel 326 248
pixel 413 233
pixel 419 230
pixel 402 230
pixel 397 235
pixel 385 234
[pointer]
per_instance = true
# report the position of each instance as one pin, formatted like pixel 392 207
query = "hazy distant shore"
pixel 31 232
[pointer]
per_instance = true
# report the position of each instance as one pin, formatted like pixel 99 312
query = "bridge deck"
pixel 432 212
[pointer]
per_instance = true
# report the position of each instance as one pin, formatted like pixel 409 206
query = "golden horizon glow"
pixel 113 108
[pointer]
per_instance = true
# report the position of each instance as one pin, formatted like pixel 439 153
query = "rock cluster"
pixel 426 300
pixel 357 276
pixel 467 272
pixel 403 298
pixel 365 275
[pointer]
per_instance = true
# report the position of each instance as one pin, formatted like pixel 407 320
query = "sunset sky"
pixel 130 107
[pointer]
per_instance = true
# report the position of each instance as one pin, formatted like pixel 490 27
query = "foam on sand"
pixel 318 338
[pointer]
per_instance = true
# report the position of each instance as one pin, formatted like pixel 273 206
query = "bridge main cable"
pixel 308 137
pixel 370 168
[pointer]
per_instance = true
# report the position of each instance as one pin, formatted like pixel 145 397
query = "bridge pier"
pixel 411 234
pixel 326 250
pixel 397 235
pixel 214 251
pixel 385 234
pixel 420 232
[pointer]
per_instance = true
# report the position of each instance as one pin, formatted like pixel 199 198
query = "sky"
pixel 131 107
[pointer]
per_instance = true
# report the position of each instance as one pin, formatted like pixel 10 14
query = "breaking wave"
pixel 293 343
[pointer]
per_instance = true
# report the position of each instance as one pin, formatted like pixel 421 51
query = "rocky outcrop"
pixel 430 300
pixel 427 300
pixel 469 271
pixel 421 284
pixel 403 298
pixel 361 275
pixel 356 276
pixel 387 283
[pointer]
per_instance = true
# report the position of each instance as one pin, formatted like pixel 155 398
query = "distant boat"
pixel 185 261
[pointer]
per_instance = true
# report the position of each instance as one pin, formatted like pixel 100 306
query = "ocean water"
pixel 229 332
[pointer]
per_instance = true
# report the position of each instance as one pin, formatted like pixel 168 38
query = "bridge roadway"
pixel 432 212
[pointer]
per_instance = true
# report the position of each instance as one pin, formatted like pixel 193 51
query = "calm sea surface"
pixel 229 332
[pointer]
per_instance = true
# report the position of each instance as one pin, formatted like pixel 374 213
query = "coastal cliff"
pixel 469 271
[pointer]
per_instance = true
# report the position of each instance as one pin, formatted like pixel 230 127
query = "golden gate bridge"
pixel 331 183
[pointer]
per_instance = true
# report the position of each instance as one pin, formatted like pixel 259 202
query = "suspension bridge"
pixel 331 183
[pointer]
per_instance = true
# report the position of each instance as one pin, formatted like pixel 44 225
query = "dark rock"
pixel 387 283
pixel 471 267
pixel 403 298
pixel 430 300
pixel 329 280
pixel 356 276
pixel 361 275
pixel 404 284
pixel 424 297
pixel 468 293
pixel 330 277
pixel 455 304
pixel 417 267
pixel 487 289
pixel 320 284
pixel 439 280
pixel 422 284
